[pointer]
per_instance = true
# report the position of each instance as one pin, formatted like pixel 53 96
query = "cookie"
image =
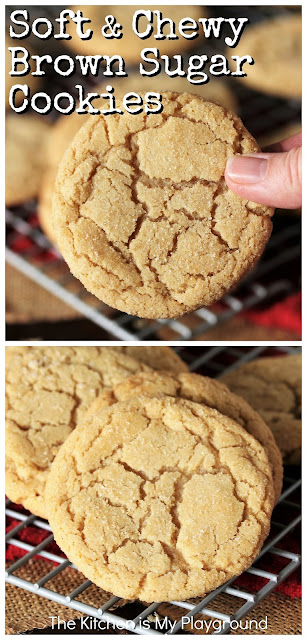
pixel 24 157
pixel 206 391
pixel 31 81
pixel 273 386
pixel 130 45
pixel 143 215
pixel 276 47
pixel 160 498
pixel 47 391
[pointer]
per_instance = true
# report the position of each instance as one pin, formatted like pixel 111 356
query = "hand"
pixel 273 179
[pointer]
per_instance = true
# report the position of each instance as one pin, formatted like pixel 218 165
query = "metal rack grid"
pixel 275 277
pixel 212 361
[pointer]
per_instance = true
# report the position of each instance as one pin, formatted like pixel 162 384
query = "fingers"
pixel 271 179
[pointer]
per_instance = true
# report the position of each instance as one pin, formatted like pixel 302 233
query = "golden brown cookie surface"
pixel 204 390
pixel 273 386
pixel 137 498
pixel 142 212
pixel 47 391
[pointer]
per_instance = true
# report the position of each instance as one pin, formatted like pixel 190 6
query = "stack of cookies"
pixel 158 484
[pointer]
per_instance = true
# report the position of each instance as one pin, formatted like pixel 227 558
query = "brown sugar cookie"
pixel 276 47
pixel 206 391
pixel 47 391
pixel 25 157
pixel 129 46
pixel 160 498
pixel 273 386
pixel 143 215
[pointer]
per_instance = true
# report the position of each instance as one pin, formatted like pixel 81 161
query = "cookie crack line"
pixel 213 228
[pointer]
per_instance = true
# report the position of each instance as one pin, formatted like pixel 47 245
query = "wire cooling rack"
pixel 275 277
pixel 286 517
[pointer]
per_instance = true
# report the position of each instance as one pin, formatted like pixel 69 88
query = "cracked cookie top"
pixel 143 215
pixel 160 498
pixel 204 390
pixel 47 391
pixel 273 386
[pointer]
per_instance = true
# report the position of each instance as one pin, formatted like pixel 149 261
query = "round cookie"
pixel 47 391
pixel 206 391
pixel 276 47
pixel 31 81
pixel 25 157
pixel 137 498
pixel 158 233
pixel 273 386
pixel 130 45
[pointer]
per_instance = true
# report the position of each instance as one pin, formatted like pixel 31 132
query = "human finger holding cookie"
pixel 271 178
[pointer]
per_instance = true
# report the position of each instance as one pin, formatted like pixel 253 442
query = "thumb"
pixel 273 179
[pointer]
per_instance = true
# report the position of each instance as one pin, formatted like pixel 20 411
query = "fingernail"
pixel 246 169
